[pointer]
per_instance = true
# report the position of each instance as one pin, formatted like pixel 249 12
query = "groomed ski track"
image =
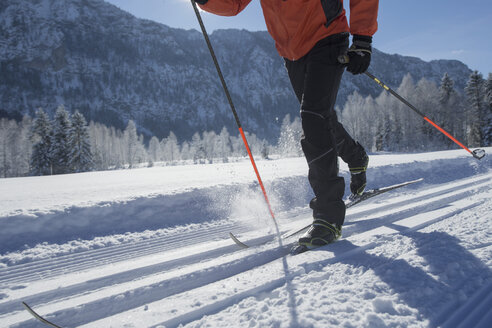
pixel 416 257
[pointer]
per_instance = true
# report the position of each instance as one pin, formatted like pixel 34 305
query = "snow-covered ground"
pixel 150 248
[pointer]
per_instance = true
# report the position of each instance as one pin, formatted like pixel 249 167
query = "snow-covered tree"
pixel 7 131
pixel 427 101
pixel 208 140
pixel 351 115
pixel 98 136
pixel 488 91
pixel 450 114
pixel 238 149
pixel 170 148
pixel 487 131
pixel 60 145
pixel 383 133
pixel 475 92
pixel 446 89
pixel 265 150
pixel 135 152
pixel 79 143
pixel 154 151
pixel 110 147
pixel 15 147
pixel 197 150
pixel 407 127
pixel 41 136
pixel 142 152
pixel 25 146
pixel 185 151
pixel 290 135
pixel 223 145
pixel 384 121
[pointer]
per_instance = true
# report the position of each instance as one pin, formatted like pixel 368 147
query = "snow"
pixel 150 248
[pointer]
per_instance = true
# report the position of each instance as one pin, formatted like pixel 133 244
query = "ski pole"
pixel 231 104
pixel 477 153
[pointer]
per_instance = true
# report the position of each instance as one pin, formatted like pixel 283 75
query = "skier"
pixel 311 35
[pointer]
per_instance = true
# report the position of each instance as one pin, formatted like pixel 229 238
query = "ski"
pixel 237 241
pixel 351 201
pixel 37 316
pixel 356 199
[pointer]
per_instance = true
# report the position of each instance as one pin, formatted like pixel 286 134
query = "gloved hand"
pixel 359 54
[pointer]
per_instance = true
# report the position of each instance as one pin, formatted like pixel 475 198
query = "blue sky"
pixel 428 29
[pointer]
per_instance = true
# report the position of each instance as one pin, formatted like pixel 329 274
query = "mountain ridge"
pixel 111 66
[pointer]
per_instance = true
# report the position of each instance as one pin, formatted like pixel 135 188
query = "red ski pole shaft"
pixel 233 109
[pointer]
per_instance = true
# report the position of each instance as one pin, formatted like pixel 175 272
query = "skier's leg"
pixel 348 149
pixel 316 79
pixel 353 154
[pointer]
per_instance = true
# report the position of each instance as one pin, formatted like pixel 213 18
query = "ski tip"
pixel 412 181
pixel 37 316
pixel 237 241
pixel 403 184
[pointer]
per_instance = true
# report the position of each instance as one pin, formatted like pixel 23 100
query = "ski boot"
pixel 358 178
pixel 319 234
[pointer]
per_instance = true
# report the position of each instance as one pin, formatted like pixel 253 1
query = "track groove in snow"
pixel 200 278
pixel 76 262
pixel 43 269
pixel 339 252
pixel 427 207
pixel 476 312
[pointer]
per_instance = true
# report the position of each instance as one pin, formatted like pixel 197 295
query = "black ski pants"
pixel 316 78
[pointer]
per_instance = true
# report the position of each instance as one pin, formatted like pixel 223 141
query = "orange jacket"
pixel 297 25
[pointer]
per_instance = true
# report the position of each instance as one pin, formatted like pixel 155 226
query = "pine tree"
pixel 80 159
pixel 448 113
pixel 6 134
pixel 265 150
pixel 487 132
pixel 41 136
pixel 60 147
pixel 476 96
pixel 397 135
pixel 383 133
pixel 25 145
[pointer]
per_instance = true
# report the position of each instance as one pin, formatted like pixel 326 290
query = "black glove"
pixel 359 54
pixel 202 2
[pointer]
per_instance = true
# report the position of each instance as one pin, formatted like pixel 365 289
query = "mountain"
pixel 91 56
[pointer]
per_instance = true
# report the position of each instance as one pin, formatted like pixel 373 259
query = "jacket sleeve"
pixel 363 17
pixel 225 7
